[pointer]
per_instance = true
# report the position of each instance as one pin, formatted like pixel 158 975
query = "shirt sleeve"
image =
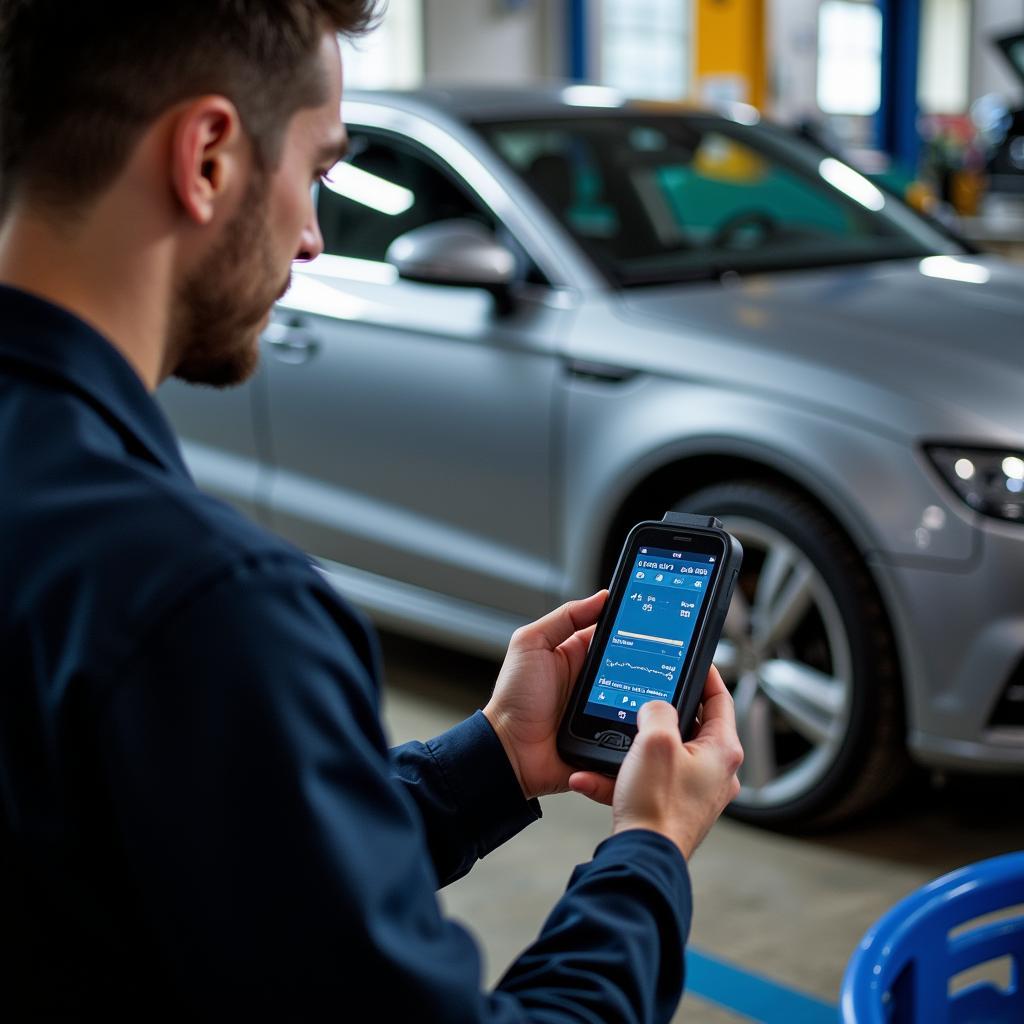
pixel 280 868
pixel 612 948
pixel 469 799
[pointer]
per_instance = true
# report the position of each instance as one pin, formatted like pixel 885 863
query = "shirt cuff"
pixel 483 782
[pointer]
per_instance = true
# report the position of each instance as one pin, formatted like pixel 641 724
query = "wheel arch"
pixel 657 486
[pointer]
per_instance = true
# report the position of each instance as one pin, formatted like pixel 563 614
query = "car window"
pixel 668 198
pixel 728 193
pixel 385 188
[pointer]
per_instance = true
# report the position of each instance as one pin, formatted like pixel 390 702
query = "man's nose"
pixel 311 244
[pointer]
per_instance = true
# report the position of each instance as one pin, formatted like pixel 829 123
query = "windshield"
pixel 675 198
pixel 1013 50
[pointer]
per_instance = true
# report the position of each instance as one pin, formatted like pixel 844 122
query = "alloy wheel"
pixel 785 655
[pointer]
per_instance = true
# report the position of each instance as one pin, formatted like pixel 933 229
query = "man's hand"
pixel 675 788
pixel 543 661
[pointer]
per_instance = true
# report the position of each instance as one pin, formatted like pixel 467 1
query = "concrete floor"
pixel 790 908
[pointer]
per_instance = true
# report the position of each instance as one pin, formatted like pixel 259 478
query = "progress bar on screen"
pixel 655 639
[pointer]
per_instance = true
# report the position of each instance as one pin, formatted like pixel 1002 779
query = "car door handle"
pixel 291 344
pixel 603 373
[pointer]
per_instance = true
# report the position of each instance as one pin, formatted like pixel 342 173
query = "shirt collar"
pixel 42 337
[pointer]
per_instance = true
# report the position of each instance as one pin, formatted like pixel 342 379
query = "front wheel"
pixel 809 657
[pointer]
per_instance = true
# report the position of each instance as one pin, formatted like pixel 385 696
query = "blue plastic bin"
pixel 901 971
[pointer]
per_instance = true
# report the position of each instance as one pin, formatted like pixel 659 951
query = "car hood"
pixel 943 335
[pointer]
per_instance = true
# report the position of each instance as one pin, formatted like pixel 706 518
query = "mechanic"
pixel 199 814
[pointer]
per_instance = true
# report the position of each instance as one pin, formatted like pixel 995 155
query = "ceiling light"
pixel 369 189
pixel 949 268
pixel 851 183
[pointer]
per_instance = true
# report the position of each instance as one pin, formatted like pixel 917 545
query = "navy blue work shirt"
pixel 199 813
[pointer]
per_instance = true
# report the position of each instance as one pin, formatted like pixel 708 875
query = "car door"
pixel 412 423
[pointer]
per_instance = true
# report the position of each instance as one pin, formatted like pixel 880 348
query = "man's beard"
pixel 220 306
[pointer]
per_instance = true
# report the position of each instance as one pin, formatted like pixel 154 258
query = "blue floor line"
pixel 753 995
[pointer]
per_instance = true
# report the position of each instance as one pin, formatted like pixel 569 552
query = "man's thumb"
pixel 657 714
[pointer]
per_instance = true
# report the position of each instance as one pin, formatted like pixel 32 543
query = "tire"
pixel 809 656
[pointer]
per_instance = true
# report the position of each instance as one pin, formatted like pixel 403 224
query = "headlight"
pixel 989 480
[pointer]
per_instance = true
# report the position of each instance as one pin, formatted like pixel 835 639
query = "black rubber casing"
pixel 607 756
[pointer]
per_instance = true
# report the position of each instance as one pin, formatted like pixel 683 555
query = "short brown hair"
pixel 80 81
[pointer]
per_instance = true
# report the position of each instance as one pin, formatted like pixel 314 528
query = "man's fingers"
pixel 719 720
pixel 719 715
pixel 714 684
pixel 593 786
pixel 575 650
pixel 657 714
pixel 556 627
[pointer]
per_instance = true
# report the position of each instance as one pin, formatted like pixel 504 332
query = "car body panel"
pixel 870 485
pixel 872 482
pixel 415 443
pixel 961 636
pixel 885 343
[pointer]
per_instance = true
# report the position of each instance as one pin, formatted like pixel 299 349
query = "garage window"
pixel 849 57
pixel 391 56
pixel 645 47
pixel 942 80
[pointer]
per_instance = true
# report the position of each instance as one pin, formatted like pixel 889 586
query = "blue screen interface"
pixel 651 635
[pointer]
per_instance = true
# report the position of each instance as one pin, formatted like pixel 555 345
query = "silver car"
pixel 544 315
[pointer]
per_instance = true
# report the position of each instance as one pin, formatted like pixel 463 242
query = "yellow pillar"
pixel 729 51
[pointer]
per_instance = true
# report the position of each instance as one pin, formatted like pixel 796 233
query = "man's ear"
pixel 209 153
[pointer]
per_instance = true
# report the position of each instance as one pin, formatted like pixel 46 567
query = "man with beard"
pixel 198 811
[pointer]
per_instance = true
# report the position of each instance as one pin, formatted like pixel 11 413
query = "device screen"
pixel 650 638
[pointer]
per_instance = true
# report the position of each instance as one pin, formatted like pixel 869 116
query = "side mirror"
pixel 459 253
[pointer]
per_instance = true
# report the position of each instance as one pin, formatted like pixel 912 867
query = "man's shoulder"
pixel 179 543
pixel 85 488
pixel 115 545
pixel 252 610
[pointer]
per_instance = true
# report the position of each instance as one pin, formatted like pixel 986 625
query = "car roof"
pixel 481 103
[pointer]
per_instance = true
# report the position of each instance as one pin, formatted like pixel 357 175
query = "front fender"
pixel 619 435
